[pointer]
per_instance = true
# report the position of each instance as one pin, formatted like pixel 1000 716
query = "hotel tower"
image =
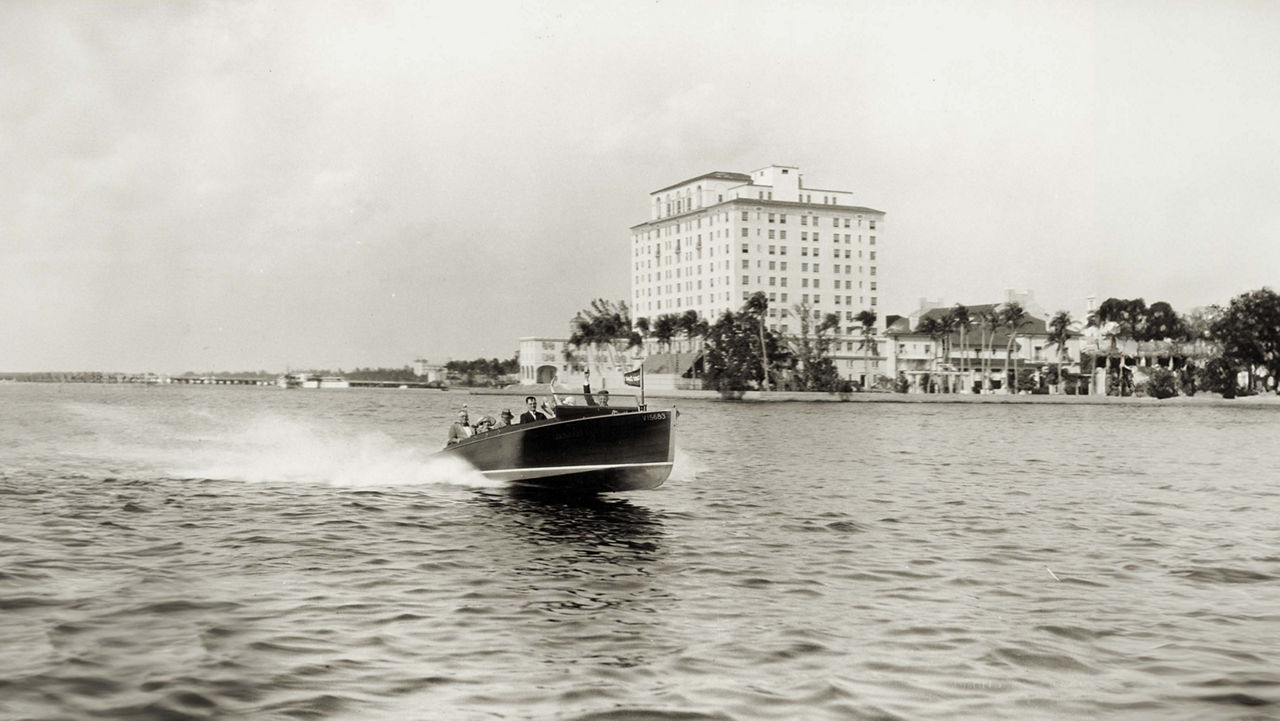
pixel 713 240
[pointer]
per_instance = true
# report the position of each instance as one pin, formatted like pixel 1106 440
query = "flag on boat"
pixel 632 378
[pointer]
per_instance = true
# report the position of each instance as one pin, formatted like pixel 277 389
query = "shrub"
pixel 1161 383
pixel 1027 381
pixel 1218 376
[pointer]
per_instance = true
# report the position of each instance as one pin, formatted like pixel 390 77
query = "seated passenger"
pixel 461 429
pixel 505 418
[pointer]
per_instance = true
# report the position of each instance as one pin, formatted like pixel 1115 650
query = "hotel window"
pixel 846 223
pixel 848 300
pixel 815 268
pixel 804 298
pixel 804 282
pixel 817 299
pixel 784 295
pixel 782 250
pixel 873 240
pixel 817 282
pixel 773 280
pixel 746 232
pixel 772 297
pixel 772 265
pixel 783 265
pixel 746 263
pixel 782 218
pixel 873 285
pixel 835 222
pixel 873 300
pixel 873 270
pixel 746 247
pixel 846 252
pixel 873 225
pixel 804 236
pixel 771 236
pixel 772 250
pixel 804 220
pixel 804 250
pixel 873 255
pixel 784 285
pixel 804 267
pixel 783 328
pixel 745 216
pixel 746 279
pixel 782 234
pixel 771 217
pixel 835 253
pixel 837 300
pixel 815 237
pixel 847 238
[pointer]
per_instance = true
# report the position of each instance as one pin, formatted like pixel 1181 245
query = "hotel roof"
pixel 714 175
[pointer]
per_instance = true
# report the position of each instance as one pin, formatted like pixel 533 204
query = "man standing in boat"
pixel 531 413
pixel 586 392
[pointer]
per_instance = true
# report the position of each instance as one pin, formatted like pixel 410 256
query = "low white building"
pixel 431 373
pixel 915 355
pixel 544 360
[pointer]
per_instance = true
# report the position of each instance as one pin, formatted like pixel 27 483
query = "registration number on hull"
pixel 655 416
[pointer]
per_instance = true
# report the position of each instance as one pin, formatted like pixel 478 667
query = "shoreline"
pixel 1201 399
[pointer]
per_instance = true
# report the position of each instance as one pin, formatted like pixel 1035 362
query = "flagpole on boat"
pixel 642 406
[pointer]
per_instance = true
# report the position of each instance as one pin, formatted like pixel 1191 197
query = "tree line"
pixel 740 352
pixel 1205 349
pixel 1216 344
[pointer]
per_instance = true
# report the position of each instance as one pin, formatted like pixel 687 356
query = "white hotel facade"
pixel 713 240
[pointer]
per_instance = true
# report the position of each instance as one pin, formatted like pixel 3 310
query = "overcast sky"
pixel 262 185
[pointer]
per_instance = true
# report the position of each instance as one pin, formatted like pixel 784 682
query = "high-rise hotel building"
pixel 713 240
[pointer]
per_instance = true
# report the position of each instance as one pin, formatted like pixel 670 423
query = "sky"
pixel 192 186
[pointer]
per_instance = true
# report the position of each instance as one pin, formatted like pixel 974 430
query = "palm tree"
pixel 1059 334
pixel 603 324
pixel 693 326
pixel 960 320
pixel 988 321
pixel 867 319
pixel 930 326
pixel 664 329
pixel 758 306
pixel 1012 316
pixel 946 328
pixel 1119 319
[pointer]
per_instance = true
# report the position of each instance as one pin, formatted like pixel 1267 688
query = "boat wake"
pixel 686 467
pixel 281 450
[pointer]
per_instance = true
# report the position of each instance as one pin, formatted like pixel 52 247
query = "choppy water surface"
pixel 251 553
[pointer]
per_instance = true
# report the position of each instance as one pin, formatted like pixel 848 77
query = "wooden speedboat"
pixel 584 449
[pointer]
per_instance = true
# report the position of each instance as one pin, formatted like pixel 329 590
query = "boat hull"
pixel 604 453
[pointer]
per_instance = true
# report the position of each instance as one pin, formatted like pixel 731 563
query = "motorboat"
pixel 583 449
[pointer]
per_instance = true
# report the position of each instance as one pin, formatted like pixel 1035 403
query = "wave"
pixel 273 449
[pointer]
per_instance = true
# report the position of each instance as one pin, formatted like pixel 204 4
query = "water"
pixel 170 553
